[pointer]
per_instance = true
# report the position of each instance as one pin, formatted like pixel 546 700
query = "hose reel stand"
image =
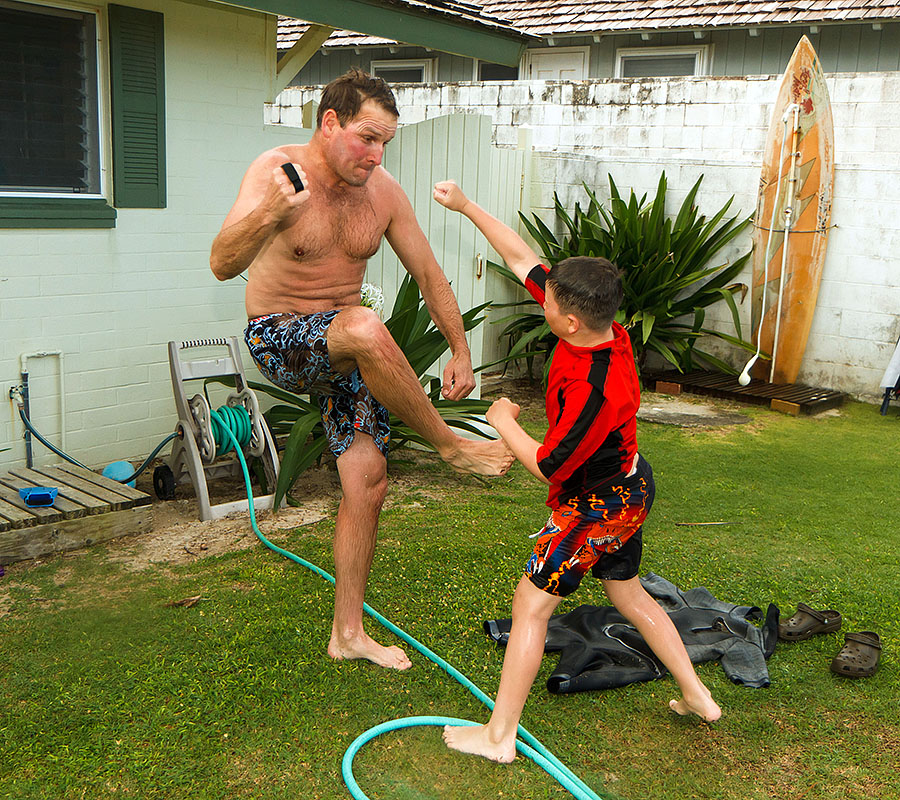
pixel 195 456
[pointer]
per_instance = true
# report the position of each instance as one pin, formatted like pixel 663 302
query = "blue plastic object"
pixel 37 496
pixel 119 471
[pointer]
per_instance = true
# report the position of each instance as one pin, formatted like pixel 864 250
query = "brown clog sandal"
pixel 859 655
pixel 807 622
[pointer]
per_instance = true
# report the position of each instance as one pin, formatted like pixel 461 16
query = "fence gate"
pixel 456 147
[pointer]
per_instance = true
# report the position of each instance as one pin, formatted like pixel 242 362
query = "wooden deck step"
pixel 89 508
pixel 791 398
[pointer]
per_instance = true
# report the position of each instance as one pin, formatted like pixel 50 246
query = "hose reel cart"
pixel 201 452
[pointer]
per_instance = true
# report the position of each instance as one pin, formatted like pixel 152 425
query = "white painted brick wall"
pixel 717 127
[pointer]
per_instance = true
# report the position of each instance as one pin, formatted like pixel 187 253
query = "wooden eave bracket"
pixel 302 51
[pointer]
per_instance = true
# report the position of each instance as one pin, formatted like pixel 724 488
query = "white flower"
pixel 372 297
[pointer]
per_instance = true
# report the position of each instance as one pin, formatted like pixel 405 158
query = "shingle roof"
pixel 573 17
pixel 549 17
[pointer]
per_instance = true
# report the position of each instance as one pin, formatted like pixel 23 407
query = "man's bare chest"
pixel 336 226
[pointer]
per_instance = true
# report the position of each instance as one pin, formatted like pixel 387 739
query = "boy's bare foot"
pixel 703 706
pixel 490 457
pixel 367 648
pixel 475 740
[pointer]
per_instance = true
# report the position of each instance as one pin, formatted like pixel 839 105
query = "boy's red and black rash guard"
pixel 592 400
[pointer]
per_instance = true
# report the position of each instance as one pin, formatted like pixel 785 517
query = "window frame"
pixel 119 161
pixel 428 65
pixel 702 57
pixel 477 62
pixel 101 101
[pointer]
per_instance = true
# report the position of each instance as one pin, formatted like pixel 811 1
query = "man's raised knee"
pixel 356 331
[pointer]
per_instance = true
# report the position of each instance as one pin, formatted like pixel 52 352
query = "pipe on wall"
pixel 23 369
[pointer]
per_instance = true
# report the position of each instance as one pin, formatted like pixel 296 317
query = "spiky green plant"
pixel 422 344
pixel 671 271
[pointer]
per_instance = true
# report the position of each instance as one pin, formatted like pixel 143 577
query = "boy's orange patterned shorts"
pixel 609 544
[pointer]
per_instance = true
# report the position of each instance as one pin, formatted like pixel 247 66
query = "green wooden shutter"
pixel 137 66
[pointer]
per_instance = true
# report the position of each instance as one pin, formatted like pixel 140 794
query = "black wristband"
pixel 293 177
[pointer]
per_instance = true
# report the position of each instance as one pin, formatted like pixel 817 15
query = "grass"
pixel 109 693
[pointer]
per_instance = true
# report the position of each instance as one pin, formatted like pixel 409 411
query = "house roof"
pixel 555 17
pixel 580 17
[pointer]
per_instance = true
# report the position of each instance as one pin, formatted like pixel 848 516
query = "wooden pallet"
pixel 89 508
pixel 791 398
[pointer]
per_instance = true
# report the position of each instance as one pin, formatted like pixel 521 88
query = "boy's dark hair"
pixel 347 93
pixel 589 288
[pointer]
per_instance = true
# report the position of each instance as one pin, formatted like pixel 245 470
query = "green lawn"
pixel 109 693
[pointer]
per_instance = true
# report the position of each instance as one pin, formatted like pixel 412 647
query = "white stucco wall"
pixel 110 300
pixel 715 127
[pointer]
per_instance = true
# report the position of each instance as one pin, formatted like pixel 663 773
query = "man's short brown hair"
pixel 345 95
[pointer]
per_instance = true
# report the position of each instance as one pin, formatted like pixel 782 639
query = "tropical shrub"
pixel 527 333
pixel 422 343
pixel 668 272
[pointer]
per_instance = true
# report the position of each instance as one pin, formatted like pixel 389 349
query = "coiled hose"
pixel 226 426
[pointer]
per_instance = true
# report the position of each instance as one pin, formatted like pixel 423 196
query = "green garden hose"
pixel 226 426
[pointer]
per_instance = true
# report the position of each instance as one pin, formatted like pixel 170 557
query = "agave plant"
pixel 527 333
pixel 422 344
pixel 669 271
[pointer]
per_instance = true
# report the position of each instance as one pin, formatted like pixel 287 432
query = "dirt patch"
pixel 179 536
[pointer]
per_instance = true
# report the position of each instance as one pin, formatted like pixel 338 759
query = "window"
pixel 54 155
pixel 486 71
pixel 419 70
pixel 49 128
pixel 655 62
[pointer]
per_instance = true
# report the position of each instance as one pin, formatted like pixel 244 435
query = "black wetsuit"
pixel 600 649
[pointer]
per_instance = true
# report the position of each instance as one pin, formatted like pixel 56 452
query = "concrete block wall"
pixel 715 127
pixel 110 300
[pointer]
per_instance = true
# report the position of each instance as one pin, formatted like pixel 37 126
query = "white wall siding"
pixel 716 127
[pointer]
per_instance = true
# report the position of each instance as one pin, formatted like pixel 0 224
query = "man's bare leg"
pixel 642 611
pixel 358 338
pixel 363 474
pixel 496 741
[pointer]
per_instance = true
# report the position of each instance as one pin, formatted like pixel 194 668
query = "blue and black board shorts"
pixel 291 350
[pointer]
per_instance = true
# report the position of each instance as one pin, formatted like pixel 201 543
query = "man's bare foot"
pixel 703 706
pixel 367 648
pixel 475 740
pixel 490 457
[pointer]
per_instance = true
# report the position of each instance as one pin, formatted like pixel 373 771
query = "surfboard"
pixel 796 183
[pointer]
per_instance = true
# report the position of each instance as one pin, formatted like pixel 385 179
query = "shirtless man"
pixel 306 252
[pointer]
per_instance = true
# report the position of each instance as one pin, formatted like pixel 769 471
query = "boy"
pixel 600 488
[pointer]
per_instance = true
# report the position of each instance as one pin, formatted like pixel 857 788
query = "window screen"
pixel 496 72
pixel 400 74
pixel 658 66
pixel 49 140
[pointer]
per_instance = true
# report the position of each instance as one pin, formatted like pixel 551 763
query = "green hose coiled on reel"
pixel 231 427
